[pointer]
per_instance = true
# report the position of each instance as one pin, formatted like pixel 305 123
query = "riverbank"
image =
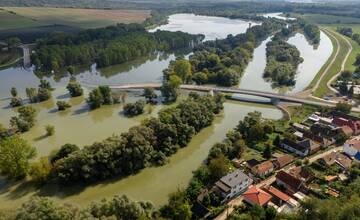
pixel 334 65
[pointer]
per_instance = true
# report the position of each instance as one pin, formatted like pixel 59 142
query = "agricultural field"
pixel 20 17
pixel 11 20
pixel 327 19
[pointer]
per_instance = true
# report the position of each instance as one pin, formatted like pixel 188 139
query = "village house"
pixel 301 148
pixel 352 147
pixel 283 202
pixel 291 183
pixel 256 196
pixel 340 120
pixel 283 160
pixel 324 133
pixel 263 169
pixel 233 184
pixel 303 174
pixel 343 161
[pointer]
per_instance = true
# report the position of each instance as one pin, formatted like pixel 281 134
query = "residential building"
pixel 347 121
pixel 263 169
pixel 302 173
pixel 352 147
pixel 343 161
pixel 233 184
pixel 282 161
pixel 329 159
pixel 291 183
pixel 256 196
pixel 251 163
pixel 325 131
pixel 280 198
pixel 301 148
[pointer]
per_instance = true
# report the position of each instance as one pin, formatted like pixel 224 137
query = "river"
pixel 80 126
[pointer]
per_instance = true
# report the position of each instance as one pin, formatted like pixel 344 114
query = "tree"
pixel 178 207
pixel 16 102
pixel 62 105
pixel 44 84
pixel 182 69
pixel 150 95
pixel 64 151
pixel 170 87
pixel 95 99
pixel 25 120
pixel 132 109
pixel 13 42
pixel 39 171
pixel 343 107
pixel 267 153
pixel 43 94
pixel 44 208
pixel 71 70
pixel 277 141
pixel 74 89
pixel 13 92
pixel 32 94
pixel 200 78
pixel 15 154
pixel 50 130
pixel 218 167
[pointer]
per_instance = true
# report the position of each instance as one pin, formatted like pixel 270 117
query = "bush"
pixel 133 109
pixel 74 89
pixel 50 130
pixel 16 102
pixel 62 105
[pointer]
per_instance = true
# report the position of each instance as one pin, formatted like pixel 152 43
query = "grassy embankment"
pixel 330 23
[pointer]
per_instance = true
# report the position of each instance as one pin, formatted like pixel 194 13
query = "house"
pixel 279 198
pixel 352 147
pixel 329 159
pixel 282 161
pixel 256 196
pixel 302 173
pixel 233 184
pixel 291 183
pixel 251 163
pixel 343 161
pixel 326 131
pixel 301 148
pixel 345 120
pixel 347 130
pixel 263 169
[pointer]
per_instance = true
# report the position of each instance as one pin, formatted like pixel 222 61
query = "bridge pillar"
pixel 211 92
pixel 275 101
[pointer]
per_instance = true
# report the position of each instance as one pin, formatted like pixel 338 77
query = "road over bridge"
pixel 272 96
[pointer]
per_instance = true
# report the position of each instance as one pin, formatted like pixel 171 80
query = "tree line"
pixel 222 62
pixel 105 46
pixel 147 144
pixel 282 60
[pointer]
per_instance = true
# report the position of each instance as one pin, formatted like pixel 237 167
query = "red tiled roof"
pixel 256 196
pixel 264 167
pixel 284 160
pixel 277 193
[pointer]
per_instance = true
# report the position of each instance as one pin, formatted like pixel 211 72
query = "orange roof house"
pixel 263 169
pixel 255 196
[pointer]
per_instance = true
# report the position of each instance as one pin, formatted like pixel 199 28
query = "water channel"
pixel 80 126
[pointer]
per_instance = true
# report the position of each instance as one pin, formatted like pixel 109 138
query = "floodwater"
pixel 314 59
pixel 81 126
pixel 212 27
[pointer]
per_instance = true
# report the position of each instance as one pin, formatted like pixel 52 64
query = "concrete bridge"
pixel 273 96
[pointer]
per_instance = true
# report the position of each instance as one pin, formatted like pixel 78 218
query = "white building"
pixel 233 184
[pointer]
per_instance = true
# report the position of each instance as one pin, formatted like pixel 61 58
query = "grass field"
pixel 20 17
pixel 327 19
